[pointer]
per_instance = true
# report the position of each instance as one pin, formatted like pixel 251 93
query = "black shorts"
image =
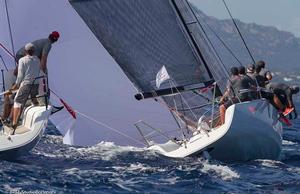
pixel 283 99
pixel 267 95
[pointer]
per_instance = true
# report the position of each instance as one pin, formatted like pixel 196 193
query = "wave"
pixel 102 151
pixel 271 163
pixel 221 171
pixel 107 150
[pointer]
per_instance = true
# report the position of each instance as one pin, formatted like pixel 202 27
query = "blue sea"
pixel 107 168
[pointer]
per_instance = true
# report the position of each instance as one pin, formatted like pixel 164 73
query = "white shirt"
pixel 28 70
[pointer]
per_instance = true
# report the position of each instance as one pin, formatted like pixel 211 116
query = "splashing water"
pixel 107 168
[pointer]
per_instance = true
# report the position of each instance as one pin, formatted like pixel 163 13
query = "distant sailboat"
pixel 144 36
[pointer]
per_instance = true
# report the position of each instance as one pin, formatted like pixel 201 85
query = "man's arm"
pixel 44 63
pixel 44 57
pixel 21 72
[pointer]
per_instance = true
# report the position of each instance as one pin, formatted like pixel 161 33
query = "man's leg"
pixel 19 102
pixel 278 103
pixel 16 114
pixel 222 113
pixel 7 108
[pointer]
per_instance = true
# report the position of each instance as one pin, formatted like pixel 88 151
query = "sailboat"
pixel 33 120
pixel 144 36
pixel 81 73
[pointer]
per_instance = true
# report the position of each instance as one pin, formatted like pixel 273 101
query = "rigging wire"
pixel 236 26
pixel 99 122
pixel 9 28
pixel 173 111
pixel 3 62
pixel 224 44
pixel 108 127
pixel 205 34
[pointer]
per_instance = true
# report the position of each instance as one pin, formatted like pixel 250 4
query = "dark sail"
pixel 142 36
pixel 198 34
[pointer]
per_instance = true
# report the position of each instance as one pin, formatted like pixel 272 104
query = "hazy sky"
pixel 283 14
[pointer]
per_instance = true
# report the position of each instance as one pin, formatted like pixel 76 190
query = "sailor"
pixel 42 49
pixel 253 72
pixel 284 92
pixel 250 93
pixel 263 72
pixel 242 73
pixel 28 70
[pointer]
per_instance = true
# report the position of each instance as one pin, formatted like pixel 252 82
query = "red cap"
pixel 54 35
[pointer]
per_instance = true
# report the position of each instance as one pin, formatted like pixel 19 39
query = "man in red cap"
pixel 42 49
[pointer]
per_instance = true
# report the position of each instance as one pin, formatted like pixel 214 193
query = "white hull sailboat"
pixel 145 40
pixel 251 131
pixel 33 122
pixel 27 135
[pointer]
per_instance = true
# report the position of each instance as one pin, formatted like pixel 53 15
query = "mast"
pixel 191 38
pixel 9 27
pixel 179 7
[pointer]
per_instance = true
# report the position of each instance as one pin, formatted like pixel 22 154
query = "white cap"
pixel 29 47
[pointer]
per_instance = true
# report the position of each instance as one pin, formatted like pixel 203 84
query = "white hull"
pixel 27 135
pixel 251 131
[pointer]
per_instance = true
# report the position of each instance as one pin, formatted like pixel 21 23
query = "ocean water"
pixel 107 168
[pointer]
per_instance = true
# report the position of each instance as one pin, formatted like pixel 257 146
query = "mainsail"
pixel 142 36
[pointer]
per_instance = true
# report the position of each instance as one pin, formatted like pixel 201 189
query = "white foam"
pixel 294 170
pixel 224 172
pixel 80 172
pixel 53 139
pixel 285 142
pixel 107 150
pixel 287 79
pixel 103 150
pixel 270 163
pixel 138 168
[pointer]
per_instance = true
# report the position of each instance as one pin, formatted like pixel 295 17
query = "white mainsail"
pixel 81 72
